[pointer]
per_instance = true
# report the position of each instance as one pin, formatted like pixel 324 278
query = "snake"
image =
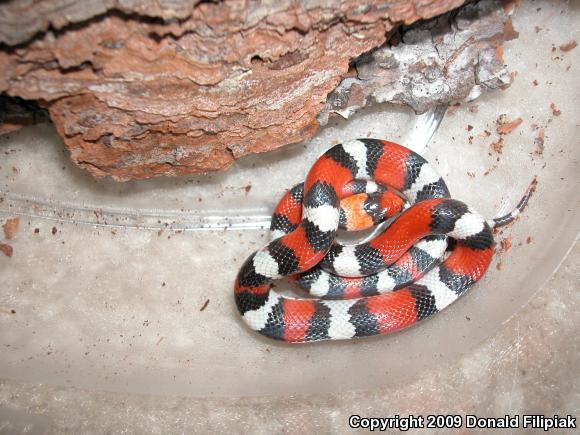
pixel 433 252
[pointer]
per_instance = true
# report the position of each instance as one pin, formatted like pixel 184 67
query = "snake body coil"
pixel 434 251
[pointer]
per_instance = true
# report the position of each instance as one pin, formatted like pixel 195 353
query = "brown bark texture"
pixel 172 87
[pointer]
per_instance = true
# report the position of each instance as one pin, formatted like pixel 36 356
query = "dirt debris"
pixel 539 142
pixel 204 306
pixel 506 244
pixel 497 147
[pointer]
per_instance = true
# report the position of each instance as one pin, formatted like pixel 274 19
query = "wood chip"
pixel 10 227
pixel 6 249
pixel 555 110
pixel 509 126
pixel 204 306
pixel 570 45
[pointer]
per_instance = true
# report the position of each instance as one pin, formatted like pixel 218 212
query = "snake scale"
pixel 433 252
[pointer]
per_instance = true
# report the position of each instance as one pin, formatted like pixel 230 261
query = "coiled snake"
pixel 432 253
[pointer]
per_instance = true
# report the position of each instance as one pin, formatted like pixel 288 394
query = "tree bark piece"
pixel 451 58
pixel 138 89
